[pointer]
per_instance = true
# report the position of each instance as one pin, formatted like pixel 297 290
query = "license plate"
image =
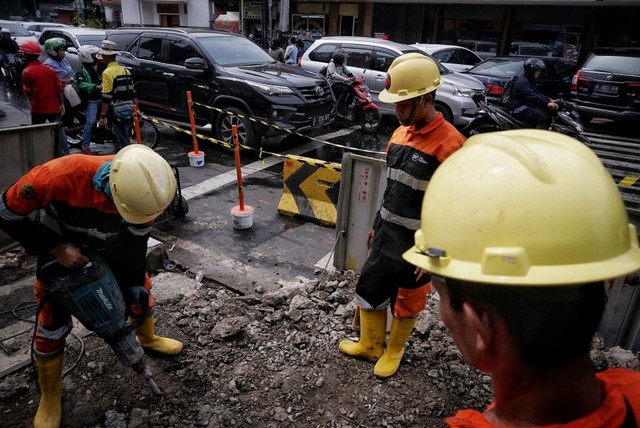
pixel 606 89
pixel 321 120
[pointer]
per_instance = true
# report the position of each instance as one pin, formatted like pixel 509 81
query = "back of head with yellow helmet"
pixel 142 183
pixel 410 75
pixel 524 208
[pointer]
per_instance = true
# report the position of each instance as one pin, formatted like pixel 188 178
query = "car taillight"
pixel 635 87
pixel 574 82
pixel 494 89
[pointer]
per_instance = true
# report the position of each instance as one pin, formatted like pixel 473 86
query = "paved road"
pixel 278 246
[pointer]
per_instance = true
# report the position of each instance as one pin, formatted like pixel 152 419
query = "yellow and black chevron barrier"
pixel 310 190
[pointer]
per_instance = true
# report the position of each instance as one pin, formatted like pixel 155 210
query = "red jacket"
pixel 617 385
pixel 43 87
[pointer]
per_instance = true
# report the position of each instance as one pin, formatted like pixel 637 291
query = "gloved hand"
pixel 138 298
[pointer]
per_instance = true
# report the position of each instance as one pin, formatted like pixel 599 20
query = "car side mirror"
pixel 195 64
pixel 72 49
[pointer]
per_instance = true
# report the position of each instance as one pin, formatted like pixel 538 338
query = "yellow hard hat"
pixel 142 183
pixel 410 75
pixel 524 207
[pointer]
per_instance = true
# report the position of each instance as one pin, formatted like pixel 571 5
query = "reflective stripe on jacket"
pixel 412 158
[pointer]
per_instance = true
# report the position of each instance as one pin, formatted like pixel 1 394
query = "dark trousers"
pixel 535 117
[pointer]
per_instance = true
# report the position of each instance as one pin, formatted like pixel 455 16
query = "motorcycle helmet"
pixel 339 56
pixel 533 64
pixel 30 48
pixel 51 46
pixel 5 31
pixel 87 53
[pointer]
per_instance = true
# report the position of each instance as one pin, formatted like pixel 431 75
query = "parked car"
pixel 608 85
pixel 495 72
pixel 37 27
pixel 530 49
pixel 75 36
pixel 371 58
pixel 18 32
pixel 230 78
pixel 483 48
pixel 455 58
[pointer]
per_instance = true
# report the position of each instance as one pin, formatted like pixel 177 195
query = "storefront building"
pixel 566 28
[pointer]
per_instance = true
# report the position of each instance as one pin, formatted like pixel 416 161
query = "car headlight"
pixel 270 89
pixel 462 92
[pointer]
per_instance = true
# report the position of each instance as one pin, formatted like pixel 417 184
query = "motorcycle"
pixel 362 109
pixel 12 71
pixel 149 134
pixel 490 118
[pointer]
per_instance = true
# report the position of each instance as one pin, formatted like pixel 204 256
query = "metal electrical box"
pixel 361 190
pixel 620 324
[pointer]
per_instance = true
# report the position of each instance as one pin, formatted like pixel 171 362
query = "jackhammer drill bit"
pixel 142 369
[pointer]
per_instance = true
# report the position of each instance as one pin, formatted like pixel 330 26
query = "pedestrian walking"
pixel 519 256
pixel 42 86
pixel 118 95
pixel 90 89
pixel 276 51
pixel 415 150
pixel 300 46
pixel 105 204
pixel 291 52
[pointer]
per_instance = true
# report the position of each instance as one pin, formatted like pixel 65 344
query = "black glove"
pixel 138 298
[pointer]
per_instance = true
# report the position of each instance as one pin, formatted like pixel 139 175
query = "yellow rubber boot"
pixel 148 340
pixel 50 378
pixel 388 364
pixel 373 327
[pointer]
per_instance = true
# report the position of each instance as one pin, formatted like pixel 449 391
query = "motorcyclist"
pixel 90 89
pixel 7 45
pixel 529 104
pixel 340 79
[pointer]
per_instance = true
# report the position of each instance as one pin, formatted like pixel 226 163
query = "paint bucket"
pixel 196 159
pixel 242 219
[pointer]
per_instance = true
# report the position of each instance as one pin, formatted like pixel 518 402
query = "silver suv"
pixel 371 58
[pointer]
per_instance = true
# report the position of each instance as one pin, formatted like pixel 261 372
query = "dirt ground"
pixel 266 361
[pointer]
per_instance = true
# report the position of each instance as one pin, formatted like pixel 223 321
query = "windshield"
pixel 498 68
pixel 93 39
pixel 16 29
pixel 233 51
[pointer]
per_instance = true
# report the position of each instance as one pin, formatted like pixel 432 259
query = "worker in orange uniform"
pixel 520 230
pixel 415 150
pixel 107 204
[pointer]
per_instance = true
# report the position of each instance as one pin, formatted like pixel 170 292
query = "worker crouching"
pixel 87 203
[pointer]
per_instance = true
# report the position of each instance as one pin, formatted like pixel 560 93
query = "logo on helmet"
pixel 387 82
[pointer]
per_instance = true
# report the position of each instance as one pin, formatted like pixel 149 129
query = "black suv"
pixel 224 71
pixel 608 85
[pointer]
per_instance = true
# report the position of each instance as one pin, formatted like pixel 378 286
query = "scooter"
pixel 12 70
pixel 490 118
pixel 362 109
pixel 149 134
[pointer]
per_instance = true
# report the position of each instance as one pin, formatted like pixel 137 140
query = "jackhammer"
pixel 93 296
